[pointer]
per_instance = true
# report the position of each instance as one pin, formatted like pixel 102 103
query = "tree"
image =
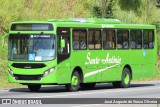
pixel 102 9
pixel 128 5
pixel 158 3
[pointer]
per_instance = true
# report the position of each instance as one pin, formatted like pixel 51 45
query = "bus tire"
pixel 34 87
pixel 75 82
pixel 87 85
pixel 126 79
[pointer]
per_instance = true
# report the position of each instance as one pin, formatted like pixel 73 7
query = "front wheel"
pixel 75 82
pixel 126 79
pixel 34 87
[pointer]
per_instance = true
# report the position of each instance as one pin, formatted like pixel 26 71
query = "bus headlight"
pixel 48 71
pixel 10 71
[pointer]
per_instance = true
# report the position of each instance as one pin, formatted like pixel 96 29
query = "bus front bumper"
pixel 33 79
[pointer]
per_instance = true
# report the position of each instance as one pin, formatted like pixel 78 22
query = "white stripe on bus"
pixel 100 70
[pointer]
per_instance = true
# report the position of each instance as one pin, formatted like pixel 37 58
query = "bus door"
pixel 63 54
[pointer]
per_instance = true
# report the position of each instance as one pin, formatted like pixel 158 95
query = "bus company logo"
pixel 6 101
pixel 28 66
pixel 107 26
pixel 108 59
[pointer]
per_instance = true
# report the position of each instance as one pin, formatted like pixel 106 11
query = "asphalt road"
pixel 137 90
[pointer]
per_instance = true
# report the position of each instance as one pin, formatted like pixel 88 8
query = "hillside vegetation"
pixel 128 11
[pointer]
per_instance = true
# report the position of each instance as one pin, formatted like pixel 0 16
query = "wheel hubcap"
pixel 74 81
pixel 126 78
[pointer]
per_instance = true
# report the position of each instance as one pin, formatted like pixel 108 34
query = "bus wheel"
pixel 87 85
pixel 126 78
pixel 34 87
pixel 75 82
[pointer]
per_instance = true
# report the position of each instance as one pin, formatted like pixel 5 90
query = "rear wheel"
pixel 75 82
pixel 126 79
pixel 87 85
pixel 34 87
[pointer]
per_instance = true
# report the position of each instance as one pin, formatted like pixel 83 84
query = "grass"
pixel 3 72
pixel 4 80
pixel 156 77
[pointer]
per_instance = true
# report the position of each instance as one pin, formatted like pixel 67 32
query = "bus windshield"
pixel 33 47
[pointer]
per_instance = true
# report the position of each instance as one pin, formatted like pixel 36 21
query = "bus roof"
pixel 91 23
pixel 98 23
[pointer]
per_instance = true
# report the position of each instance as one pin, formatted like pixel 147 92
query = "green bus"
pixel 80 52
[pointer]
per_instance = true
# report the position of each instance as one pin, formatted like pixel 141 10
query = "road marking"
pixel 101 91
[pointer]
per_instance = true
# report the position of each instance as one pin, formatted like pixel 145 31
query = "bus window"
pixel 94 39
pixel 151 39
pixel 148 39
pixel 109 39
pixel 135 39
pixel 122 39
pixel 79 39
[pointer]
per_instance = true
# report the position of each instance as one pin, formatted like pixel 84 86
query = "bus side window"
pixel 145 39
pixel 122 39
pixel 139 39
pixel 79 39
pixel 148 39
pixel 109 39
pixel 136 39
pixel 151 39
pixel 75 40
pixel 94 39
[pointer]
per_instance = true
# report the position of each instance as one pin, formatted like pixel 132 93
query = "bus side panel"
pixel 136 63
pixel 136 71
pixel 143 63
pixel 124 55
pixel 64 72
pixel 149 63
pixel 79 59
pixel 112 72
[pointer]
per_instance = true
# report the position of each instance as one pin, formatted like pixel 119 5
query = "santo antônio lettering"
pixel 108 59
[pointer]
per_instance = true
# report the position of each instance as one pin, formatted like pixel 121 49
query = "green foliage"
pixel 145 13
pixel 130 4
pixel 102 9
pixel 16 10
pixel 128 11
pixel 97 11
pixel 158 3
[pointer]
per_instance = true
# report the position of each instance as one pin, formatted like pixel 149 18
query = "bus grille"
pixel 28 65
pixel 27 77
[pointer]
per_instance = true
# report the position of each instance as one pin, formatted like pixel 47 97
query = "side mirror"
pixel 62 43
pixel 3 39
